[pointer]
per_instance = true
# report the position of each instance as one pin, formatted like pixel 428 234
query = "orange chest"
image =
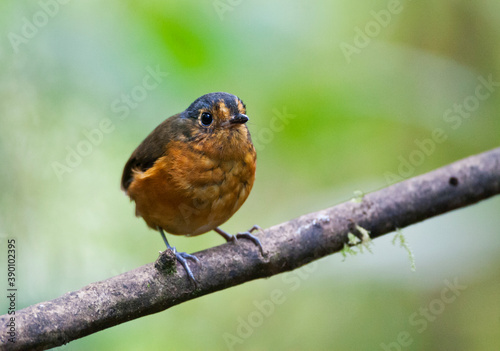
pixel 190 192
pixel 193 171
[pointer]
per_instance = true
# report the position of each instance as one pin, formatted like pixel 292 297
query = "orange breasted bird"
pixel 194 171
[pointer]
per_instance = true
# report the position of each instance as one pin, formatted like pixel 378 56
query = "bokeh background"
pixel 355 84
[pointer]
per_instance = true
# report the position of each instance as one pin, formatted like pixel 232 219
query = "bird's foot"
pixel 243 235
pixel 182 258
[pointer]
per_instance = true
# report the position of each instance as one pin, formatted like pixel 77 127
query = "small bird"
pixel 194 171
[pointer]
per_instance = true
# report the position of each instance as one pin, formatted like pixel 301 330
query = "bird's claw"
pixel 182 257
pixel 244 235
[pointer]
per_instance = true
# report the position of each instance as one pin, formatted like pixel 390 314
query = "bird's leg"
pixel 244 235
pixel 181 257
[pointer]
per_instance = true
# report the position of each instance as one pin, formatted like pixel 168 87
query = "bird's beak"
pixel 239 119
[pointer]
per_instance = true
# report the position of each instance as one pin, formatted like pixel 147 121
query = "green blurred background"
pixel 359 81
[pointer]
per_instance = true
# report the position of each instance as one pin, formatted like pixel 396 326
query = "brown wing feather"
pixel 146 154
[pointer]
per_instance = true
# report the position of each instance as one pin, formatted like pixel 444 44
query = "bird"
pixel 194 171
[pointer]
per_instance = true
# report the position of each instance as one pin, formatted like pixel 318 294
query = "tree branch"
pixel 154 287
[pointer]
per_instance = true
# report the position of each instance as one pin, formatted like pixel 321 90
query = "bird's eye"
pixel 206 119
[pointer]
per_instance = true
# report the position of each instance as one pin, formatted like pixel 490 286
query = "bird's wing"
pixel 146 154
